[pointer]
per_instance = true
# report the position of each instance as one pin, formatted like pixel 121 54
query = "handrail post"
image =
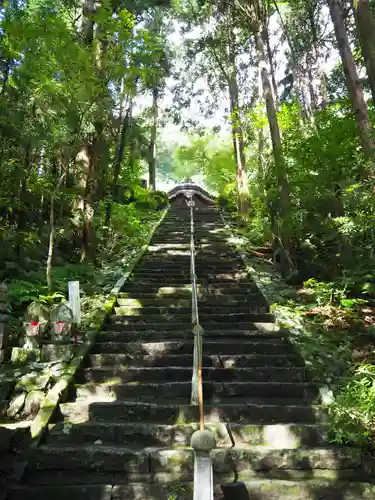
pixel 203 442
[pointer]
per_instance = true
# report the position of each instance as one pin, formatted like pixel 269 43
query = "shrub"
pixel 227 202
pixel 144 199
pixel 161 199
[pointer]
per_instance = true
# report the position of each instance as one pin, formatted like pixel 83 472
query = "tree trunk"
pixel 352 81
pixel 298 90
pixel 152 146
pixel 118 160
pixel 88 10
pixel 272 66
pixel 366 29
pixel 283 244
pixel 52 232
pixel 237 132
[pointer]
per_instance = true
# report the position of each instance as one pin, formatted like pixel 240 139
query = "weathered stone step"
pixel 171 294
pixel 180 461
pixel 182 274
pixel 204 310
pixel 163 292
pixel 230 301
pixel 166 348
pixel 255 489
pixel 205 286
pixel 234 360
pixel 129 411
pixel 235 319
pixel 307 489
pixel 160 374
pixel 183 333
pixel 79 477
pixel 140 434
pixel 186 327
pixel 150 281
pixel 225 391
pixel 177 261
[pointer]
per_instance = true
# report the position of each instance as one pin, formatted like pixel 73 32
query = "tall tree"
pixel 365 22
pixel 352 81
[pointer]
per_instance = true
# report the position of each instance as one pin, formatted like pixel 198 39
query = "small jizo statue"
pixel 61 321
pixel 37 318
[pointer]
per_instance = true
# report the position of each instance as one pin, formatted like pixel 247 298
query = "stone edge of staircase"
pixel 260 278
pixel 54 395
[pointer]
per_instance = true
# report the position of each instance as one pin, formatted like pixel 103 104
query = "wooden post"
pixel 3 319
pixel 74 301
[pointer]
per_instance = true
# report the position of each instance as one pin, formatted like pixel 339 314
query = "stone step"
pixel 213 391
pixel 180 461
pixel 80 477
pixel 183 333
pixel 206 320
pixel 177 261
pixel 129 411
pixel 204 285
pixel 186 326
pixel 307 489
pixel 165 348
pixel 174 293
pixel 172 261
pixel 163 292
pixel 183 274
pixel 255 489
pixel 138 434
pixel 234 360
pixel 204 310
pixel 158 281
pixel 229 301
pixel 160 374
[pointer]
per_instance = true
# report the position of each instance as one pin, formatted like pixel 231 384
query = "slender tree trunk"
pixel 352 81
pixel 152 146
pixel 366 29
pixel 272 65
pixel 52 233
pixel 6 76
pixel 283 243
pixel 237 132
pixel 298 90
pixel 119 158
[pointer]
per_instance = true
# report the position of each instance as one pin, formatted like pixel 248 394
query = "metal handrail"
pixel 202 442
pixel 197 382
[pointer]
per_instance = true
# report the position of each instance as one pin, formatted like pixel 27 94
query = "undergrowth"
pixel 117 246
pixel 332 323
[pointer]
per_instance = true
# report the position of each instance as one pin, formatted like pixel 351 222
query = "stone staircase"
pixel 125 432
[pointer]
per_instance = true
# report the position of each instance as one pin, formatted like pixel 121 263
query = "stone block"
pixel 33 402
pixel 56 352
pixel 32 382
pixel 20 355
pixel 174 461
pixel 16 405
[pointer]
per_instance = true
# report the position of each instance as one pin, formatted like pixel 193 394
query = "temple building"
pixel 177 195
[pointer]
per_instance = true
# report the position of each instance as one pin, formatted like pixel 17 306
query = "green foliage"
pixel 227 202
pixel 353 413
pixel 152 200
pixel 161 199
pixel 176 492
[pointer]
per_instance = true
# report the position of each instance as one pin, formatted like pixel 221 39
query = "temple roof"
pixel 191 186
